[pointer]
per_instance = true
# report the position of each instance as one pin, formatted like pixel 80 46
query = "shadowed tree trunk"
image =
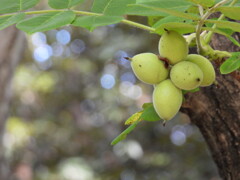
pixel 12 44
pixel 216 112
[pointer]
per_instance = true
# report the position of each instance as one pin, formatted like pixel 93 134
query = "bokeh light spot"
pixel 128 76
pixel 178 138
pixel 107 81
pixel 42 53
pixel 63 36
pixel 77 46
pixel 39 39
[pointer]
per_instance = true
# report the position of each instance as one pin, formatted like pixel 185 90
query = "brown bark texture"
pixel 11 50
pixel 216 112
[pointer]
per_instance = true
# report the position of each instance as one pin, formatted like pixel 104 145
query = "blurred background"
pixel 73 90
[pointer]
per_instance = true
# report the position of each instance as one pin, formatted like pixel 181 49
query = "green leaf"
pixel 143 9
pixel 171 19
pixel 226 24
pixel 10 20
pixel 219 31
pixel 231 64
pixel 46 22
pixel 62 4
pixel 204 3
pixel 181 28
pixel 231 12
pixel 192 91
pixel 153 19
pixel 166 11
pixel 124 134
pixel 146 105
pixel 135 117
pixel 149 114
pixel 10 6
pixel 111 7
pixel 91 22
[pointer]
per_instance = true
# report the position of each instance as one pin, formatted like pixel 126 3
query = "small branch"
pixel 210 34
pixel 201 23
pixel 85 13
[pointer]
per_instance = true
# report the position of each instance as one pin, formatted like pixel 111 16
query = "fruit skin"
pixel 206 66
pixel 173 46
pixel 186 75
pixel 148 68
pixel 167 99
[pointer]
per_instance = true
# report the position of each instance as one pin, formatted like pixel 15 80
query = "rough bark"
pixel 11 50
pixel 216 112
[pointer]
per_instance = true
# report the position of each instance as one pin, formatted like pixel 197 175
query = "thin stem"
pixel 85 13
pixel 138 25
pixel 201 23
pixel 210 34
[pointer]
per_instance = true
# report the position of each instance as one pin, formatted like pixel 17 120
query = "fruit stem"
pixel 164 123
pixel 190 38
pixel 128 58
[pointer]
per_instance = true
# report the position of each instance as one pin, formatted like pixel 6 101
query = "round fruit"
pixel 186 75
pixel 206 66
pixel 148 68
pixel 173 46
pixel 167 99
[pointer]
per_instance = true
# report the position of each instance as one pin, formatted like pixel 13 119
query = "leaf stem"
pixel 85 13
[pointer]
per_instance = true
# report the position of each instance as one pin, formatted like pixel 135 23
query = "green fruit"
pixel 167 99
pixel 186 75
pixel 173 46
pixel 206 66
pixel 148 68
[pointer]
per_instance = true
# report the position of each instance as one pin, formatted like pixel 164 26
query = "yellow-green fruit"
pixel 206 66
pixel 148 68
pixel 173 46
pixel 167 99
pixel 186 75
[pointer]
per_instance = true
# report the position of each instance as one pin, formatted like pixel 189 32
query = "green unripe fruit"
pixel 206 66
pixel 148 68
pixel 167 99
pixel 186 75
pixel 173 46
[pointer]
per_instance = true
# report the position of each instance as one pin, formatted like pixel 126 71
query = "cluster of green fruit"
pixel 171 72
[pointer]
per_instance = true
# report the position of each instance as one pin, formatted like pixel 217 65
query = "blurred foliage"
pixel 68 107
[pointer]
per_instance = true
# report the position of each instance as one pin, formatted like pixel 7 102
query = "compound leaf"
pixel 10 6
pixel 231 12
pixel 111 7
pixel 62 4
pixel 91 22
pixel 231 64
pixel 46 22
pixel 10 20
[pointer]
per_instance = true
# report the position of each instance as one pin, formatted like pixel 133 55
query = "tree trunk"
pixel 216 112
pixel 11 51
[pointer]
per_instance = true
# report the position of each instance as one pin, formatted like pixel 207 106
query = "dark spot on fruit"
pixel 166 30
pixel 198 79
pixel 189 74
pixel 140 65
